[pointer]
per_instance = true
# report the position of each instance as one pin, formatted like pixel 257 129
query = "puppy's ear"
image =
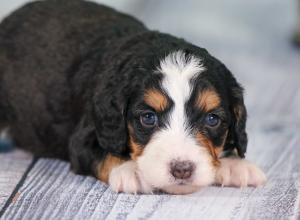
pixel 110 120
pixel 84 151
pixel 120 79
pixel 237 136
pixel 110 102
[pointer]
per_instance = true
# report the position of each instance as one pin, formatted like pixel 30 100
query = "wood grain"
pixel 12 168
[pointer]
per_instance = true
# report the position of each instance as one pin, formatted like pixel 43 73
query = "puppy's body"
pixel 51 54
pixel 77 79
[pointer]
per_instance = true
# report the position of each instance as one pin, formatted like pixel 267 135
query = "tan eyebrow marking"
pixel 156 99
pixel 208 100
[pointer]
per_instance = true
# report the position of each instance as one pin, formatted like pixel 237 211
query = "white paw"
pixel 126 178
pixel 239 173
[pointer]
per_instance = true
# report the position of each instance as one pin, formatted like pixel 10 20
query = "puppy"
pixel 137 109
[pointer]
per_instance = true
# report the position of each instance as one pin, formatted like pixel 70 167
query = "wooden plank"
pixel 12 167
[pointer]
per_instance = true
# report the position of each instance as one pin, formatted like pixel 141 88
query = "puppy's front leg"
pixel 239 173
pixel 122 176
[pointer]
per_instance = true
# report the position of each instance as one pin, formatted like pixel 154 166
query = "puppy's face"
pixel 179 124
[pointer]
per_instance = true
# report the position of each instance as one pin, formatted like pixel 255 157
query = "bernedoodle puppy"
pixel 135 108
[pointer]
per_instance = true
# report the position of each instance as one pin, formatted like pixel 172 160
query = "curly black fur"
pixel 68 73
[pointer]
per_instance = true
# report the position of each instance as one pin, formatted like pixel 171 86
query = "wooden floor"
pixel 12 167
pixel 248 38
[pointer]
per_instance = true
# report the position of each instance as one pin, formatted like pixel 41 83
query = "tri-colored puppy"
pixel 137 109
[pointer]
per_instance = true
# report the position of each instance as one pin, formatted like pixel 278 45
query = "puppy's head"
pixel 176 122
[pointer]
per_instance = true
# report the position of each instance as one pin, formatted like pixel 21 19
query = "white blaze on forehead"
pixel 178 63
pixel 178 70
pixel 174 142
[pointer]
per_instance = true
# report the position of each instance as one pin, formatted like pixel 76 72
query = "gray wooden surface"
pixel 252 39
pixel 12 167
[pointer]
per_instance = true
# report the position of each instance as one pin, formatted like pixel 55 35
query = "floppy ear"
pixel 237 136
pixel 110 102
pixel 120 76
pixel 84 150
pixel 110 120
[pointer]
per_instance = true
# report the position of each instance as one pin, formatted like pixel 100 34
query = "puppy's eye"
pixel 212 120
pixel 148 119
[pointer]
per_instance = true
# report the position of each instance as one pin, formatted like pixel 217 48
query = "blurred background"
pixel 253 38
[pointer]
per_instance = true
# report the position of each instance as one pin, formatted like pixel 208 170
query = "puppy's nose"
pixel 182 169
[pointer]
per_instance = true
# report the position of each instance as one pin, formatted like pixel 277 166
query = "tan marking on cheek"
pixel 104 167
pixel 156 100
pixel 214 151
pixel 135 149
pixel 208 100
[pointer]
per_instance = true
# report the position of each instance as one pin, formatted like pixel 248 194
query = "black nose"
pixel 182 169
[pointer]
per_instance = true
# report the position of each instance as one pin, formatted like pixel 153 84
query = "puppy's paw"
pixel 239 173
pixel 126 178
